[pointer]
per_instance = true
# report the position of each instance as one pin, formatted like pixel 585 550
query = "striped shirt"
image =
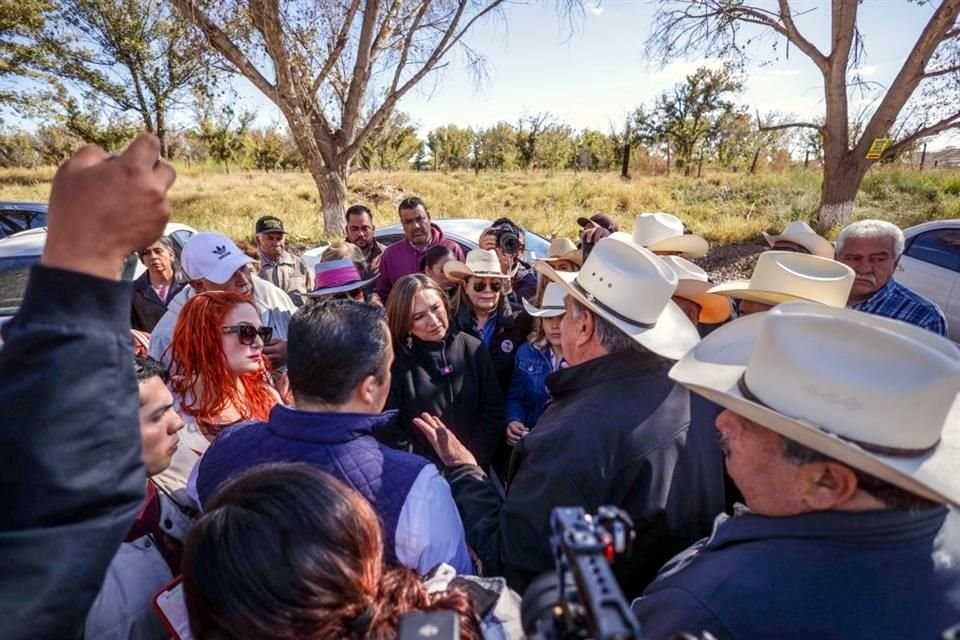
pixel 895 301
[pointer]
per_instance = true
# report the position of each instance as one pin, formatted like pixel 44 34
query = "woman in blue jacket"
pixel 539 356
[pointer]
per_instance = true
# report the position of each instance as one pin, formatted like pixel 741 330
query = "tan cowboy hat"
pixel 787 276
pixel 695 285
pixel 799 232
pixel 630 287
pixel 564 249
pixel 664 232
pixel 552 304
pixel 482 263
pixel 874 393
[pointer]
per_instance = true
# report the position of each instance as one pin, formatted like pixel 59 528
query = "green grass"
pixel 725 208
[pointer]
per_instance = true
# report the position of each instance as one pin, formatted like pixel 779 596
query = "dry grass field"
pixel 725 208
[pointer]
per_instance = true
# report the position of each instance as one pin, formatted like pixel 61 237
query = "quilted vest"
pixel 340 444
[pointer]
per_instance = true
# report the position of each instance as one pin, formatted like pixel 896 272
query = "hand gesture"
pixel 447 446
pixel 515 431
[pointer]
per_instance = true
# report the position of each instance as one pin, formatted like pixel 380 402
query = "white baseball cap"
pixel 213 257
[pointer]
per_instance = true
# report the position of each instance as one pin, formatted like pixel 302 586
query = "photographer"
pixel 507 238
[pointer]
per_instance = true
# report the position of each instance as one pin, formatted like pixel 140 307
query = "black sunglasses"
pixel 480 285
pixel 247 333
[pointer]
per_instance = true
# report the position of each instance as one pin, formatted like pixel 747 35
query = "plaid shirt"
pixel 896 301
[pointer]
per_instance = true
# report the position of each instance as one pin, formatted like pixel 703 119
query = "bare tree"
pixel 734 29
pixel 327 63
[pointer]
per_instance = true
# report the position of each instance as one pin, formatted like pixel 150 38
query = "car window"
pixel 940 247
pixel 389 238
pixel 14 273
pixel 13 221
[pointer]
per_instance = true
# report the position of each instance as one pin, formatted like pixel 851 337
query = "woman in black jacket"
pixel 439 371
pixel 158 285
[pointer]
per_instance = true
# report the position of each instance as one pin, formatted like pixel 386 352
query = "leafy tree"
pixel 497 148
pixel 224 134
pixel 267 148
pixel 451 147
pixel 391 145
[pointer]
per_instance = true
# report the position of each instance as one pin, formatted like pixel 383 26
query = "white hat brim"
pixel 714 367
pixel 741 290
pixel 538 312
pixel 813 243
pixel 714 308
pixel 343 288
pixel 671 336
pixel 575 257
pixel 224 270
pixel 460 271
pixel 690 245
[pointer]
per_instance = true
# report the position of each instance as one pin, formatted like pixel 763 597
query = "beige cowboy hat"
pixel 564 249
pixel 630 287
pixel 787 276
pixel 552 304
pixel 799 232
pixel 663 232
pixel 874 393
pixel 482 263
pixel 694 284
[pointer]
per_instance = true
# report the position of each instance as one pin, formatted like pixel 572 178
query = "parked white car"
pixel 931 266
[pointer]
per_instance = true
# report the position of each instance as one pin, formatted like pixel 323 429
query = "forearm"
pixel 479 504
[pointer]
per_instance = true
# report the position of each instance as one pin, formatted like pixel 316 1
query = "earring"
pixel 409 341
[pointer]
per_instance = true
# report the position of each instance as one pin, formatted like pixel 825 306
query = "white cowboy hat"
pixel 874 393
pixel 336 276
pixel 564 249
pixel 630 287
pixel 482 263
pixel 799 232
pixel 552 304
pixel 694 284
pixel 663 232
pixel 787 276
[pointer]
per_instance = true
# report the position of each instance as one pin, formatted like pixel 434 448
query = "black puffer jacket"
pixel 513 327
pixel 455 381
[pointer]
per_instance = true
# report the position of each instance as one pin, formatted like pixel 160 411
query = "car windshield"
pixel 14 273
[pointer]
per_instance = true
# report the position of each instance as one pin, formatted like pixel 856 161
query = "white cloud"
pixel 595 10
pixel 864 72
pixel 783 73
pixel 678 71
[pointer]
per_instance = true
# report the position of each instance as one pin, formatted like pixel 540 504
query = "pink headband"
pixel 336 276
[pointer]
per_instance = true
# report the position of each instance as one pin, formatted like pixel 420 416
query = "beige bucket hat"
pixel 552 304
pixel 787 276
pixel 694 284
pixel 664 232
pixel 631 288
pixel 482 263
pixel 564 249
pixel 801 233
pixel 874 393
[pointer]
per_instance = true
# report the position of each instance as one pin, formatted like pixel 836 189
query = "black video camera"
pixel 508 238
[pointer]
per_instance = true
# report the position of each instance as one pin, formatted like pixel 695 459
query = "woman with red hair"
pixel 219 374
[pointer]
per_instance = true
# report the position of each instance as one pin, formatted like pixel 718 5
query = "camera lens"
pixel 509 243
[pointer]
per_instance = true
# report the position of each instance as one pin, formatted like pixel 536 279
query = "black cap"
pixel 601 220
pixel 270 224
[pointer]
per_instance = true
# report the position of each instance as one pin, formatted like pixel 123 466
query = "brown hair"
pixel 400 304
pixel 287 552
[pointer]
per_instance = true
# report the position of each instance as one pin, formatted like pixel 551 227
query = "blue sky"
pixel 593 76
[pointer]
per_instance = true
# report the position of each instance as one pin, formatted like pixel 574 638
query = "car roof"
pixel 24 206
pixel 30 242
pixel 933 224
pixel 468 228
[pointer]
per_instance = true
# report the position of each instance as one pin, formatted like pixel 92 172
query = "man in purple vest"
pixel 339 358
pixel 404 256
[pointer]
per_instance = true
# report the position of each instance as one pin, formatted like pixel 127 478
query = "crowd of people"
pixel 314 452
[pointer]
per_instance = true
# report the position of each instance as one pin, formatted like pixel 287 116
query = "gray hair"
pixel 890 495
pixel 872 229
pixel 612 339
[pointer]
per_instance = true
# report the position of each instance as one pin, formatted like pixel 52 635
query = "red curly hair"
pixel 197 356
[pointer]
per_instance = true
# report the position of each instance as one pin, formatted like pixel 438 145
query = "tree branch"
pixel 941 72
pixel 792 125
pixel 341 42
pixel 793 35
pixel 361 72
pixel 950 122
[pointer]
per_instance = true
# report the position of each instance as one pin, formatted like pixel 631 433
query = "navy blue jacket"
pixel 873 575
pixel 340 444
pixel 528 395
pixel 71 476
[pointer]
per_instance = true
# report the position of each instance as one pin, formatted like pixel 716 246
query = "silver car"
pixel 931 266
pixel 466 233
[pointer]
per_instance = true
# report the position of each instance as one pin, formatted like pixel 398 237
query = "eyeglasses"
pixel 247 333
pixel 480 285
pixel 356 294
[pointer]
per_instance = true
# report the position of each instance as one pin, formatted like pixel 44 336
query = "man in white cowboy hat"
pixel 662 233
pixel 800 237
pixel 693 294
pixel 339 279
pixel 563 255
pixel 616 431
pixel 785 276
pixel 842 430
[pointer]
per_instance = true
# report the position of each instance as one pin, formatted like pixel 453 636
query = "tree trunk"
pixel 333 199
pixel 161 133
pixel 841 181
pixel 625 167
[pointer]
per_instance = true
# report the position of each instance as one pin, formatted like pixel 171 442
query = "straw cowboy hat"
pixel 662 232
pixel 336 276
pixel 552 304
pixel 564 249
pixel 482 263
pixel 694 284
pixel 787 276
pixel 874 393
pixel 630 287
pixel 801 233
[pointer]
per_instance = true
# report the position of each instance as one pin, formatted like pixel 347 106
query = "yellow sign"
pixel 877 148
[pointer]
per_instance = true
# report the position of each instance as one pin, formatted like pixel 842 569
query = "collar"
pixel 325 427
pixel 880 294
pixel 887 526
pixel 603 370
pixel 285 258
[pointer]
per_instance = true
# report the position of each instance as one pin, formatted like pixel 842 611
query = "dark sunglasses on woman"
pixel 247 333
pixel 480 285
